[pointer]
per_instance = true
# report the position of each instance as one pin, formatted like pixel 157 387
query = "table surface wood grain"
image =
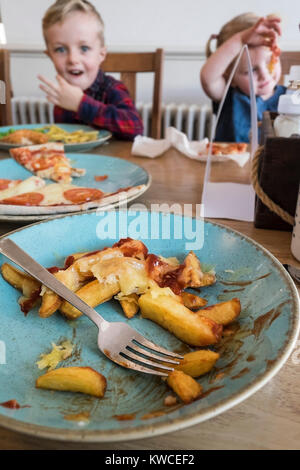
pixel 269 419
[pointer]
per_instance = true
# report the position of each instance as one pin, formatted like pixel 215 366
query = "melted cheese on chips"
pixel 130 272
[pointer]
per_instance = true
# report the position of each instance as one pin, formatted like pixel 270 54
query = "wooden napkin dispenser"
pixel 278 175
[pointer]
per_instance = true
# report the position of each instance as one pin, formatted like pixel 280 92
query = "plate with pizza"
pixel 75 137
pixel 42 181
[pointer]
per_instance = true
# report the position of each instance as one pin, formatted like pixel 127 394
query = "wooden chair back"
pixel 5 109
pixel 128 64
pixel 288 58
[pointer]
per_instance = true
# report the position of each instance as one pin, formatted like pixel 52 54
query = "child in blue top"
pixel 260 34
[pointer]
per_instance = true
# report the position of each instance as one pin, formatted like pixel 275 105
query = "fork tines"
pixel 140 357
pixel 142 341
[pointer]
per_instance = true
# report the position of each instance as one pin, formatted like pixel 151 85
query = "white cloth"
pixel 152 148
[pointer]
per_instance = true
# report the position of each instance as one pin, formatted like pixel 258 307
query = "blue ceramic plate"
pixel 259 344
pixel 121 174
pixel 103 136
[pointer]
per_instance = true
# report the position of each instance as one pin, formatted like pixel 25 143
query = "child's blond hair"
pixel 236 25
pixel 58 12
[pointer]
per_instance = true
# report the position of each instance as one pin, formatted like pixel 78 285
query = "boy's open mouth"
pixel 75 73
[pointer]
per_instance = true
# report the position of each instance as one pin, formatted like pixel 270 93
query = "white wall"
pixel 182 27
pixel 169 23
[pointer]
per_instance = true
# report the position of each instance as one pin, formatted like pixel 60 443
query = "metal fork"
pixel 118 341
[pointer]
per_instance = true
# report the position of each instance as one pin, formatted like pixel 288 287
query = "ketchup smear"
pixel 13 405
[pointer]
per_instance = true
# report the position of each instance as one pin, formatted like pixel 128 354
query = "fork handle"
pixel 32 267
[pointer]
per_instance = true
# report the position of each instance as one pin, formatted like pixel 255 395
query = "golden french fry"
pixel 222 313
pixel 19 279
pixel 13 276
pixel 70 277
pixel 197 363
pixel 184 386
pixel 29 287
pixel 130 305
pixel 192 301
pixel 172 315
pixel 94 293
pixel 192 274
pixel 74 379
pixel 50 303
pixel 55 133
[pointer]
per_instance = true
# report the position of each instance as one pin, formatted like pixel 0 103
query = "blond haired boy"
pixel 74 36
pixel 261 35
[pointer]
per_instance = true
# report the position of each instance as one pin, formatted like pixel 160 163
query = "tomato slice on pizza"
pixel 6 184
pixel 82 195
pixel 25 199
pixel 47 161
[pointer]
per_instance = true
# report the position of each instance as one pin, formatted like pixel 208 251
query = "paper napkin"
pixel 152 148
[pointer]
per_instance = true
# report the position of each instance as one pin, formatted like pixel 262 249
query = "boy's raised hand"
pixel 61 93
pixel 263 33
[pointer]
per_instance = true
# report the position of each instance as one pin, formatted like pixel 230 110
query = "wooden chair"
pixel 5 109
pixel 128 65
pixel 288 58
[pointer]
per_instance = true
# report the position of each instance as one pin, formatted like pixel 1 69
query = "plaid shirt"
pixel 105 105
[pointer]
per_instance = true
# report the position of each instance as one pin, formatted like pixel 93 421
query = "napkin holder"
pixel 278 175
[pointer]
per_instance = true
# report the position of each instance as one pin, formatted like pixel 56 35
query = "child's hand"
pixel 62 93
pixel 263 33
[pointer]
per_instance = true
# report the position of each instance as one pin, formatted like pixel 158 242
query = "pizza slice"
pixel 47 161
pixel 6 183
pixel 219 148
pixel 34 192
pixel 13 188
pixel 49 195
pixel 274 58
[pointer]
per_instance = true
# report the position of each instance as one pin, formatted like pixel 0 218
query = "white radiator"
pixel 31 110
pixel 195 121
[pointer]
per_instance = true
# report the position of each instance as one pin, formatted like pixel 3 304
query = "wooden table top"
pixel 269 419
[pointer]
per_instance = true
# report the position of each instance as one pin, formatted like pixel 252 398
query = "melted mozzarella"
pixel 27 186
pixel 54 194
